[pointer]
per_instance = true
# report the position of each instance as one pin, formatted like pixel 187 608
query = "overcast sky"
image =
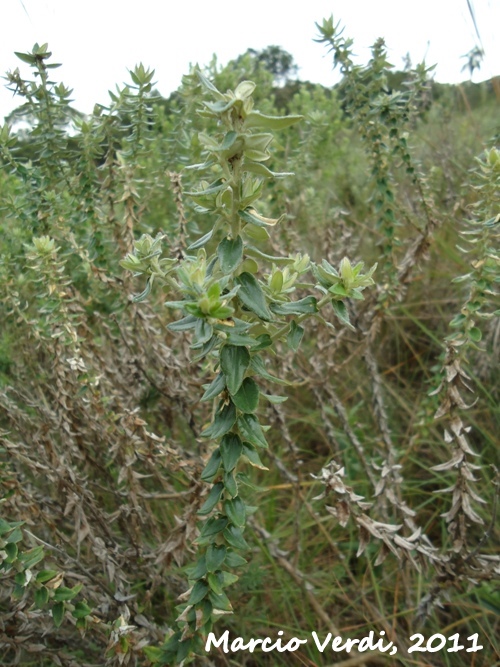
pixel 98 40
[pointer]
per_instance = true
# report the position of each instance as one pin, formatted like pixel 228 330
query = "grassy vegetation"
pixel 100 411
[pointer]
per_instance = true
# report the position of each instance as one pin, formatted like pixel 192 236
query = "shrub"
pixel 125 426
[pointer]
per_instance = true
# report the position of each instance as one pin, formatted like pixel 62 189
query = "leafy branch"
pixel 235 312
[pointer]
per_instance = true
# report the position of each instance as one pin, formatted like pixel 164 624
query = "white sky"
pixel 97 40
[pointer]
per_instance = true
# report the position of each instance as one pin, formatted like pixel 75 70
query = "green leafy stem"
pixel 234 311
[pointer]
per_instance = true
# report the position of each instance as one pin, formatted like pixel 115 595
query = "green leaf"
pixel 257 119
pixel 170 648
pixel 235 510
pixel 223 422
pixel 251 429
pixel 250 453
pixel 45 575
pixel 475 334
pixel 273 398
pixel 276 284
pixel 206 348
pixel 212 499
pixel 191 614
pixel 257 365
pixel 206 609
pixel 201 241
pixel 137 298
pixel 230 254
pixel 220 601
pixel 214 583
pixel 199 591
pixel 236 326
pixel 261 170
pixel 265 340
pixel 256 155
pixel 458 320
pixel 209 192
pixel 247 396
pixel 183 650
pixel 242 340
pixel 184 304
pixel 31 557
pixel 305 306
pixel 230 484
pixel 18 592
pixel 251 216
pixel 228 578
pixel 259 234
pixel 295 335
pixel 230 449
pixel 208 85
pixel 203 332
pixel 26 57
pixel 229 140
pixel 20 578
pixel 81 610
pixel 244 90
pixel 252 296
pixel 339 290
pixel 355 293
pixel 58 613
pixel 245 479
pixel 215 556
pixel 63 593
pixel 197 571
pixel 41 597
pixel 234 560
pixel 213 526
pixel 234 537
pixel 214 388
pixel 222 312
pixel 11 551
pixel 153 653
pixel 251 251
pixel 5 526
pixel 212 467
pixel 15 536
pixel 249 265
pixel 234 361
pixel 342 313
